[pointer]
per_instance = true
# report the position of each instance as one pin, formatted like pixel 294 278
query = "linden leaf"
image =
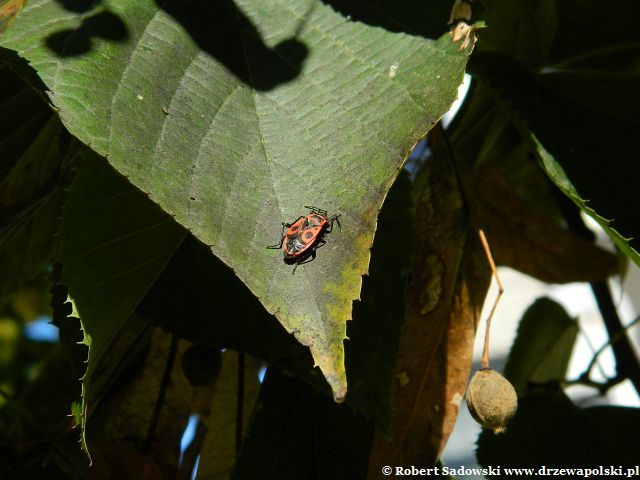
pixel 234 115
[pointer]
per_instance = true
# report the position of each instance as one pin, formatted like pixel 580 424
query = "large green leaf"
pixel 233 116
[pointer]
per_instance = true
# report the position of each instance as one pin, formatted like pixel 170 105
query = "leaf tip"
pixel 339 395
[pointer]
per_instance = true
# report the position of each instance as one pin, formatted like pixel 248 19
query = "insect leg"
pixel 317 210
pixel 282 234
pixel 311 258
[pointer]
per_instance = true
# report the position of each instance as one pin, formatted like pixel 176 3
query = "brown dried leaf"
pixel 218 455
pixel 444 300
pixel 126 417
pixel 8 11
pixel 465 33
pixel 121 462
pixel 526 239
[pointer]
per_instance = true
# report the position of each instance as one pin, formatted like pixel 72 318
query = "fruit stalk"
pixel 491 399
pixel 484 364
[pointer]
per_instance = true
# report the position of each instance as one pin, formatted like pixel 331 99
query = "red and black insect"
pixel 305 235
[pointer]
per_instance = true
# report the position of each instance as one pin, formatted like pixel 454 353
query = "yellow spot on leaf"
pixel 432 289
pixel 403 378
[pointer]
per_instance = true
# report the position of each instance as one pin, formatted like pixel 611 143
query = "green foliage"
pixel 247 103
pixel 543 346
pixel 114 243
pixel 575 108
pixel 36 153
pixel 149 152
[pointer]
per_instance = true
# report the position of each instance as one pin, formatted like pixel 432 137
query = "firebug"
pixel 301 238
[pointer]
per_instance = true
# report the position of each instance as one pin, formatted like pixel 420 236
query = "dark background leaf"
pixel 230 415
pixel 549 430
pixel 147 410
pixel 297 433
pixel 34 171
pixel 577 102
pixel 553 253
pixel 524 29
pixel 114 243
pixel 543 346
pixel 374 332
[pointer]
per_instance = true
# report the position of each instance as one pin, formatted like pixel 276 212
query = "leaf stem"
pixel 602 387
pixel 612 340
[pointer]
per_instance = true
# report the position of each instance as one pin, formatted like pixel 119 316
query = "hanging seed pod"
pixel 491 399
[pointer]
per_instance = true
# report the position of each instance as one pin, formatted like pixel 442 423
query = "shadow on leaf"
pixel 73 42
pixel 224 32
pixel 415 17
pixel 219 28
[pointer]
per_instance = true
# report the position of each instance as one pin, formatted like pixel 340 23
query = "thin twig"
pixel 602 387
pixel 618 335
pixel 626 359
pixel 485 351
pixel 593 351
